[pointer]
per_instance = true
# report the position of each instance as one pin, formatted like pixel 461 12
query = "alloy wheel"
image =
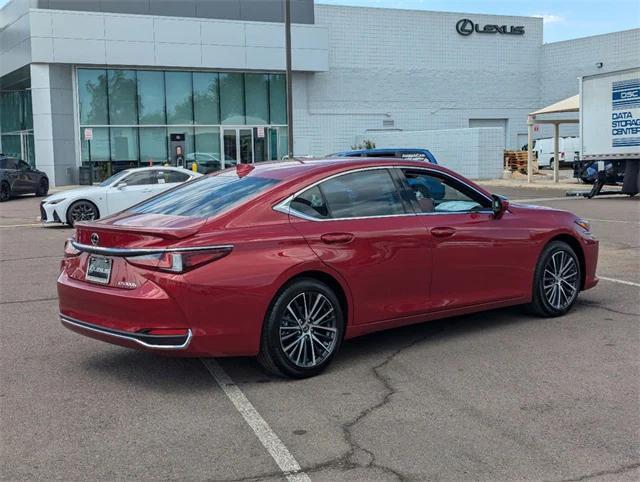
pixel 560 280
pixel 308 332
pixel 82 211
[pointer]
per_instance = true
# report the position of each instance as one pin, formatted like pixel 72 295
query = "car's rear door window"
pixel 311 203
pixel 365 193
pixel 141 178
pixel 169 176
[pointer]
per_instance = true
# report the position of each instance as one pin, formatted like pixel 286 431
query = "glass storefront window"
pixel 257 96
pixel 151 97
pixel 140 109
pixel 206 100
pixel 277 99
pixel 153 144
pixel 207 149
pixel 122 97
pixel 124 144
pixel 100 150
pixel 232 99
pixel 92 95
pixel 179 100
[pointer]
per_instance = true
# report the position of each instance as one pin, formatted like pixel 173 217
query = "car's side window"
pixel 141 178
pixel 23 165
pixel 168 177
pixel 362 194
pixel 432 193
pixel 311 203
pixel 11 163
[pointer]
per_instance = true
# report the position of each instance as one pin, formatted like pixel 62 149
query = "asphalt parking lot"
pixel 493 396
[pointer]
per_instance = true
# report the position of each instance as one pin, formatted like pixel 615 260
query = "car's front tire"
pixel 303 330
pixel 5 191
pixel 556 281
pixel 82 210
pixel 43 187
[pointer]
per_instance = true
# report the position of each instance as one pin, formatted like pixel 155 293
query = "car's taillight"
pixel 69 250
pixel 179 261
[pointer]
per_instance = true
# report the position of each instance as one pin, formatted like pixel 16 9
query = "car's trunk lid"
pixel 105 246
pixel 131 230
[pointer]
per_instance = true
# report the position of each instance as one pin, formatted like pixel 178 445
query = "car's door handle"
pixel 337 238
pixel 443 232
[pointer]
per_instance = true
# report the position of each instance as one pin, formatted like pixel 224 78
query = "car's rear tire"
pixel 5 191
pixel 303 330
pixel 556 281
pixel 43 187
pixel 82 210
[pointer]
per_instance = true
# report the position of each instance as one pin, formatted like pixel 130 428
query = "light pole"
pixel 287 30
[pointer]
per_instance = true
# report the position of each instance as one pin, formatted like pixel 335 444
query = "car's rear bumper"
pixel 144 340
pixel 127 317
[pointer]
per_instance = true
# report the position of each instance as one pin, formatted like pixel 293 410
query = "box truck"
pixel 610 129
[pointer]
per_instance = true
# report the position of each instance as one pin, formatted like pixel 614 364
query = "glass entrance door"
pixel 27 147
pixel 246 146
pixel 237 146
pixel 230 147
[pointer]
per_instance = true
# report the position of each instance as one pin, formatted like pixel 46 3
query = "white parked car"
pixel 115 194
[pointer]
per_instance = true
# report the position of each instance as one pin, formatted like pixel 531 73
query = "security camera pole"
pixel 287 29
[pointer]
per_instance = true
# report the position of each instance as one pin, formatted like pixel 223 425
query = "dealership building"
pixel 123 83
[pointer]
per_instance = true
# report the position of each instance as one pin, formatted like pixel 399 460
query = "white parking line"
pixel 278 451
pixel 539 199
pixel 18 225
pixel 612 221
pixel 621 281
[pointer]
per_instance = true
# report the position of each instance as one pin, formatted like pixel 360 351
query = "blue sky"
pixel 563 19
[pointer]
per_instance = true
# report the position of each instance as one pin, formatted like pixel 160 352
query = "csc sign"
pixel 466 27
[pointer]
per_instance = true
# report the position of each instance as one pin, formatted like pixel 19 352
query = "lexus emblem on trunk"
pixel 95 239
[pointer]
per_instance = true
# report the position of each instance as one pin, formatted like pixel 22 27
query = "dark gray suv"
pixel 18 177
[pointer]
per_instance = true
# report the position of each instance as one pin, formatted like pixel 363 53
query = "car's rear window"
pixel 206 196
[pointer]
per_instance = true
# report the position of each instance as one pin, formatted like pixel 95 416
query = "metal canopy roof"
pixel 570 104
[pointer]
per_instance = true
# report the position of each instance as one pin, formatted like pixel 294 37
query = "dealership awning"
pixel 570 104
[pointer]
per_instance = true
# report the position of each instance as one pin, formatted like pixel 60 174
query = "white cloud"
pixel 549 18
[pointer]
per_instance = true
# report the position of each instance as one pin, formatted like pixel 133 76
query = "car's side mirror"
pixel 499 205
pixel 122 185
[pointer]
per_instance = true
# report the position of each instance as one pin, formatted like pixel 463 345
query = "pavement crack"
pixel 358 456
pixel 606 308
pixel 619 470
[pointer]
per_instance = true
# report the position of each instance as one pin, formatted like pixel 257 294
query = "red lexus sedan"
pixel 286 260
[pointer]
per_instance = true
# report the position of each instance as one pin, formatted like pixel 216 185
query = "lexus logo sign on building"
pixel 466 27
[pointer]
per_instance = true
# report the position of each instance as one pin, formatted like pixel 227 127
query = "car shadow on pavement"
pixel 373 348
pixel 148 371
pixel 167 374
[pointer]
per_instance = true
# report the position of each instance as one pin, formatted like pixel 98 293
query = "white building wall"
pixel 53 124
pixel 413 68
pixel 563 62
pixel 475 152
pixel 68 37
